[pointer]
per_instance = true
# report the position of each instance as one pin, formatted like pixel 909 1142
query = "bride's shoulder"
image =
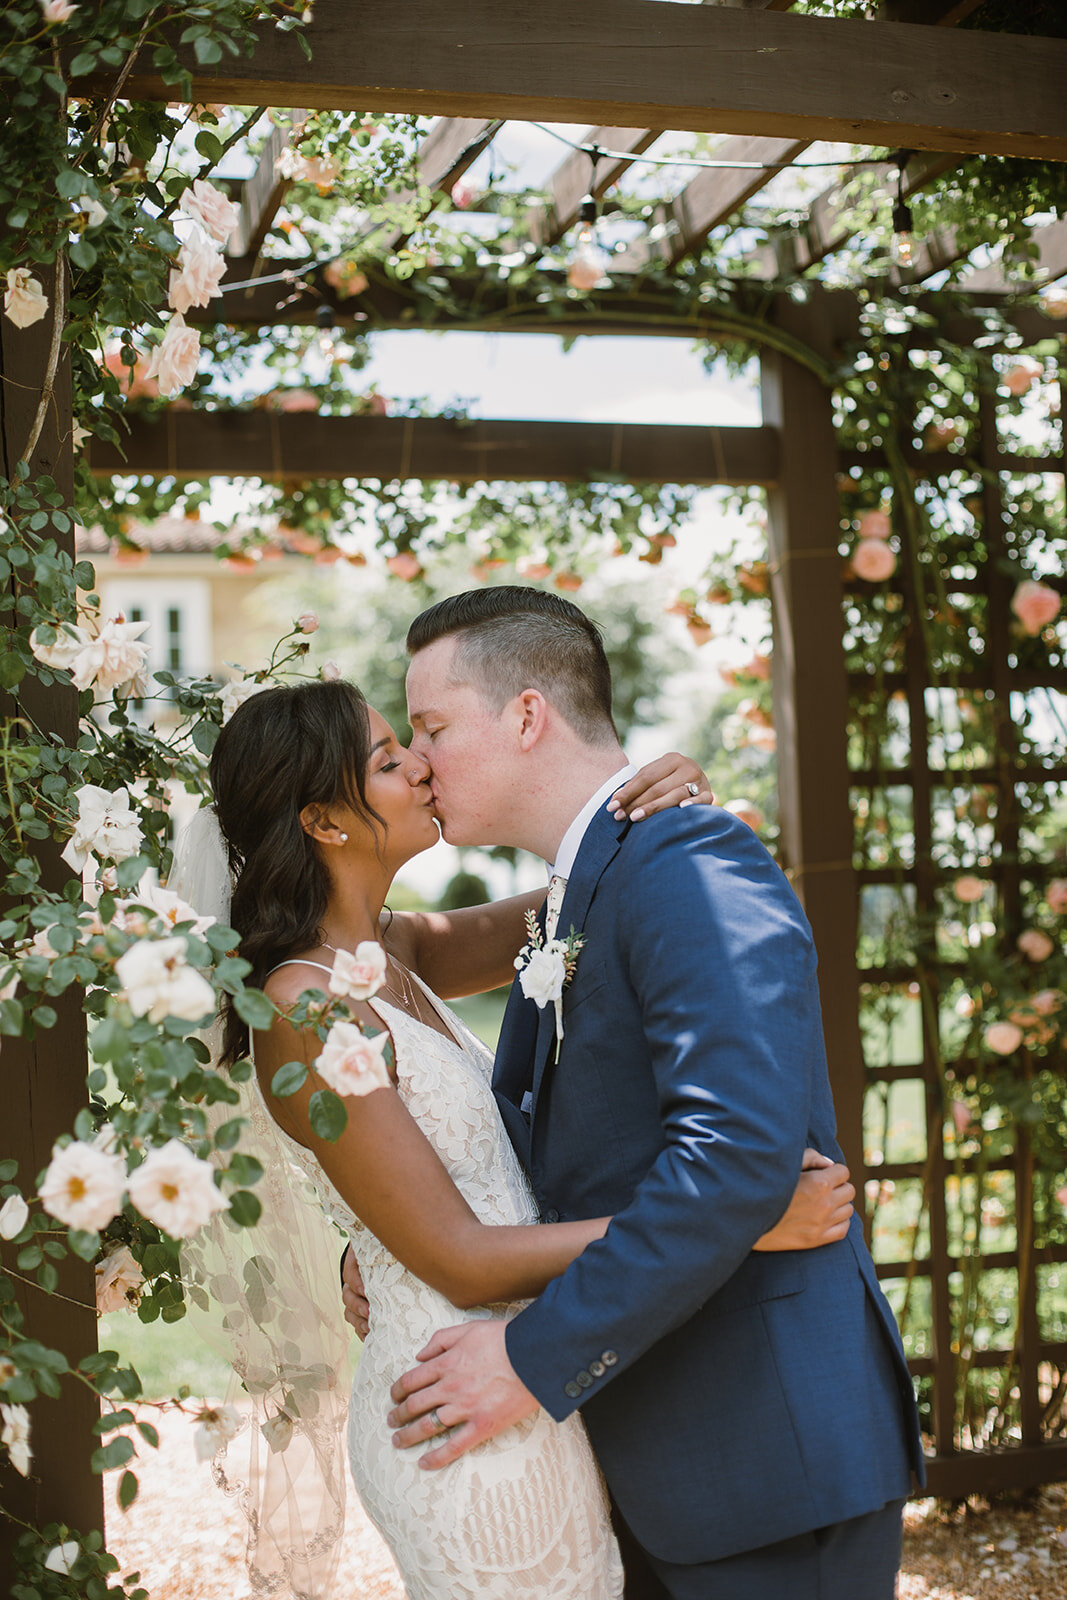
pixel 290 979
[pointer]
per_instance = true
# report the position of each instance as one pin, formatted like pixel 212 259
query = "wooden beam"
pixel 199 444
pixel 261 195
pixel 572 179
pixel 627 62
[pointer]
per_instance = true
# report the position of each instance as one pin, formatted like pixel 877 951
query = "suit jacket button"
pixel 585 1380
pixel 572 1390
pixel 597 1368
pixel 551 1216
pixel 609 1358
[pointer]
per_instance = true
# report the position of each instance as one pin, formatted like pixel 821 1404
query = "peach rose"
pixel 195 280
pixel 939 435
pixel 1035 945
pixel 1054 301
pixel 344 278
pixel 1056 895
pixel 1046 1002
pixel 1035 605
pixel 875 525
pixel 25 301
pixel 405 565
pixel 174 359
pixel 206 205
pixel 1004 1038
pixel 463 195
pixel 1020 377
pixel 57 10
pixel 873 561
pixel 968 890
pixel 961 1116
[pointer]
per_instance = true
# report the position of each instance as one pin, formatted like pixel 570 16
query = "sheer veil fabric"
pixel 268 1299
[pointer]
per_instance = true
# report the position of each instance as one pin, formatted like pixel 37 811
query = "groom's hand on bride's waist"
pixel 463 1391
pixel 357 1307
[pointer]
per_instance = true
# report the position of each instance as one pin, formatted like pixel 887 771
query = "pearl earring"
pixel 344 838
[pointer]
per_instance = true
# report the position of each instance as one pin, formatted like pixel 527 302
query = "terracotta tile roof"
pixel 167 536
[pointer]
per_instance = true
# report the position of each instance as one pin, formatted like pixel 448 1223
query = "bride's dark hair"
pixel 282 750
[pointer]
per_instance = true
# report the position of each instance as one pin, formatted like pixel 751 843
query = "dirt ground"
pixel 187 1540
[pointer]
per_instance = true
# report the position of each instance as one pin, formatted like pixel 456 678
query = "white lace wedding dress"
pixel 524 1515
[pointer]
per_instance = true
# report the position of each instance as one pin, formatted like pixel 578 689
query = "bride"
pixel 320 805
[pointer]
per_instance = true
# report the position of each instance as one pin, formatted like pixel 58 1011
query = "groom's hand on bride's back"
pixel 357 1307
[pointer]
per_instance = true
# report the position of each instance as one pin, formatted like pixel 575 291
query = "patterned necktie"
pixel 556 889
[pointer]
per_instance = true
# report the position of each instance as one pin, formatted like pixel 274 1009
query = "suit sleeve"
pixel 722 964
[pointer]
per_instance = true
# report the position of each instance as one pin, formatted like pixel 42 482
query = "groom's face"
pixel 469 747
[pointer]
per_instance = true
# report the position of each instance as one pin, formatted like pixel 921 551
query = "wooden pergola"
pixel 773 82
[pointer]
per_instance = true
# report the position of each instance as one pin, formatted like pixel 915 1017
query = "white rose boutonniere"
pixel 546 968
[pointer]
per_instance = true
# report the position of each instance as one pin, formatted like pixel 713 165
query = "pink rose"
pixel 307 622
pixel 1035 945
pixel 1035 605
pixel 968 890
pixel 1056 895
pixel 195 280
pixel 875 525
pixel 1054 301
pixel 1061 1197
pixel 961 1116
pixel 587 267
pixel 1003 1037
pixel 351 1063
pixel 330 672
pixel 1046 1002
pixel 1019 378
pixel 212 210
pixel 873 561
pixel 292 400
pixel 345 278
pixel 358 975
pixel 174 359
pixel 323 171
pixel 405 565
pixel 463 196
pixel 57 10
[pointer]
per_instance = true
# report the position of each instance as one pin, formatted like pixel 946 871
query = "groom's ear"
pixel 531 713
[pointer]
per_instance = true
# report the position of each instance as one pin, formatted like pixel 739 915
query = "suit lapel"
pixel 598 848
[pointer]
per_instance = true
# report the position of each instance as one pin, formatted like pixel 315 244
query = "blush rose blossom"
pixel 358 975
pixel 113 659
pixel 351 1063
pixel 873 560
pixel 64 650
pixel 157 981
pixel 83 1186
pixel 14 1215
pixel 1035 945
pixel 118 1281
pixel 107 826
pixel 1036 605
pixel 1004 1038
pixel 217 215
pixel 307 622
pixel 195 280
pixel 57 10
pixel 875 525
pixel 176 1190
pixel 174 360
pixel 968 890
pixel 25 301
pixel 236 692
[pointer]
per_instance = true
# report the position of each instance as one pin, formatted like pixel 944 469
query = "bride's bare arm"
pixel 469 951
pixel 387 1171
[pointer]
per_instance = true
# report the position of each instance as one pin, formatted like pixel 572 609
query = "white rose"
pixel 358 976
pixel 204 203
pixel 83 1186
pixel 62 1557
pixel 15 1433
pixel 277 1431
pixel 113 659
pixel 25 301
pixel 107 826
pixel 351 1063
pixel 174 360
pixel 57 10
pixel 195 280
pixel 118 1281
pixel 93 212
pixel 69 642
pixel 236 692
pixel 157 981
pixel 167 906
pixel 176 1190
pixel 14 1215
pixel 218 1425
pixel 543 975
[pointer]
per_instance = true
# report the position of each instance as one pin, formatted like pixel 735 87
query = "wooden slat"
pixel 1051 241
pixel 261 195
pixel 571 181
pixel 954 1477
pixel 194 444
pixel 451 146
pixel 628 62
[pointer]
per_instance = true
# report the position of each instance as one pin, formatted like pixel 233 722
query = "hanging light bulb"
pixel 587 265
pixel 324 339
pixel 903 225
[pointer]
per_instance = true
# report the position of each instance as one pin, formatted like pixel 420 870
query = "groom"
pixel 752 1412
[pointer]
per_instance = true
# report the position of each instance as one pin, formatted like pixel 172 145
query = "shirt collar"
pixel 572 839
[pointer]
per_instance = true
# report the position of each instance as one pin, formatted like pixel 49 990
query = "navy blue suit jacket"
pixel 733 1398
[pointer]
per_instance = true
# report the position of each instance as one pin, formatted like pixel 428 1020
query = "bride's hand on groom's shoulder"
pixel 672 780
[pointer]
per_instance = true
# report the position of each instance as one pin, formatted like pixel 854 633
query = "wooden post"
pixel 811 709
pixel 44 1081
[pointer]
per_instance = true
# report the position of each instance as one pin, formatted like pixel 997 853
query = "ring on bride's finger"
pixel 438 1425
pixel 693 789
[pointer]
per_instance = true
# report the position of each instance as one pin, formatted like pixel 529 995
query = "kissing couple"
pixel 601 1287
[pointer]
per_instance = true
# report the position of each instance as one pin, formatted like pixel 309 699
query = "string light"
pixel 903 224
pixel 324 339
pixel 587 264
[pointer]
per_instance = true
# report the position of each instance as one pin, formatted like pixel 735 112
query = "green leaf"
pixel 244 1169
pixel 148 1433
pixel 110 1041
pixel 288 1079
pixel 83 63
pixel 327 1114
pixel 209 144
pixel 114 1454
pixel 11 1017
pixel 85 1244
pixel 208 51
pixel 128 1487
pixel 205 735
pixel 228 1135
pixel 12 669
pixel 253 1007
pixel 245 1208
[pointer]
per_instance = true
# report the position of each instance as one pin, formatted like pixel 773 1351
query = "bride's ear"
pixel 318 825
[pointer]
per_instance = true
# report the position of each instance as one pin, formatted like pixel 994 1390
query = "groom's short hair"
pixel 512 638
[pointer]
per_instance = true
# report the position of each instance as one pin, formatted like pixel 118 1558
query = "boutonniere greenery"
pixel 545 967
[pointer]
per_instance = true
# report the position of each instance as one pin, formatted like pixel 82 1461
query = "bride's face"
pixel 397 787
